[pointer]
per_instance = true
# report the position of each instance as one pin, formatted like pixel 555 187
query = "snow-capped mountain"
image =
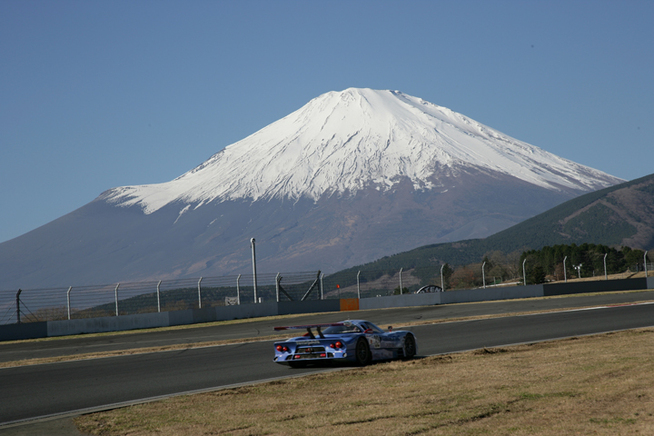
pixel 348 178
pixel 344 142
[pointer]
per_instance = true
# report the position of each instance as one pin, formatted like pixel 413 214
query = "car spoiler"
pixel 308 328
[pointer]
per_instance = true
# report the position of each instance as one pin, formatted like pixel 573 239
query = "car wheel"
pixel 362 352
pixel 409 346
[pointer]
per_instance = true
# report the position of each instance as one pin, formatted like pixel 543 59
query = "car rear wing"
pixel 308 328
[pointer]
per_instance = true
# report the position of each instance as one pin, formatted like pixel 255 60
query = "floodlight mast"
pixel 254 269
pixel 524 276
pixel 645 263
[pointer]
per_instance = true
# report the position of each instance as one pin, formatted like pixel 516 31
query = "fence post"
pixel 18 305
pixel 199 294
pixel 483 274
pixel 238 290
pixel 68 300
pixel 116 297
pixel 565 273
pixel 401 280
pixel 442 282
pixel 158 297
pixel 606 277
pixel 277 279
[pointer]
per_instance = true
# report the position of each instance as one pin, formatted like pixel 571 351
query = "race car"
pixel 356 341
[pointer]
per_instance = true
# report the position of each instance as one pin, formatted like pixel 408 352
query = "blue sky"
pixel 99 94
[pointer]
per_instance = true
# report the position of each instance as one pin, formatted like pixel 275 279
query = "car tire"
pixel 409 346
pixel 362 352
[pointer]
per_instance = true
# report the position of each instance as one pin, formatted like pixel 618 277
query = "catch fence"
pixel 128 298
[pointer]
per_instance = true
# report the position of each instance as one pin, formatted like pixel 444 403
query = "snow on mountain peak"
pixel 342 142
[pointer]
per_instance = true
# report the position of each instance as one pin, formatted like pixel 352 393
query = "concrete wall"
pixel 596 286
pixel 312 306
pixel 407 300
pixel 163 319
pixel 15 332
pixel 107 324
pixel 242 311
pixel 489 294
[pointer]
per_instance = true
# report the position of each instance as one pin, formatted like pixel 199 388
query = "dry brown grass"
pixel 600 385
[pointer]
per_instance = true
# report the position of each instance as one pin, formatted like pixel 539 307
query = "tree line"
pixel 585 260
pixel 542 265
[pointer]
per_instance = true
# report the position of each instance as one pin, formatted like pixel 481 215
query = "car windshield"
pixel 341 329
pixel 374 328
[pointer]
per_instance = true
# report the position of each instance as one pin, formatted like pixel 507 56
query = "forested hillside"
pixel 585 260
pixel 611 218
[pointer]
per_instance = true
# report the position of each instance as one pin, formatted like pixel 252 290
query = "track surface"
pixel 41 390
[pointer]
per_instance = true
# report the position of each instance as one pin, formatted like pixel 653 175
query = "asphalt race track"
pixel 29 392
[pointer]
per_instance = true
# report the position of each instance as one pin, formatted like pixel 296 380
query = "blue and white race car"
pixel 356 341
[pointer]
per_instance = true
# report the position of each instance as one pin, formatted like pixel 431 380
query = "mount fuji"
pixel 350 177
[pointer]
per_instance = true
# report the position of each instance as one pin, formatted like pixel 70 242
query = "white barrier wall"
pixel 489 294
pixel 107 324
pixel 406 300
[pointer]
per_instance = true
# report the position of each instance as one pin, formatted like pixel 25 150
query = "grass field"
pixel 594 385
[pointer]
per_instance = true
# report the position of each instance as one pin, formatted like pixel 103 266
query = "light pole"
pixel 358 285
pixel 565 274
pixel 645 263
pixel 442 282
pixel 483 274
pixel 524 276
pixel 254 269
pixel 322 293
pixel 606 277
pixel 238 290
